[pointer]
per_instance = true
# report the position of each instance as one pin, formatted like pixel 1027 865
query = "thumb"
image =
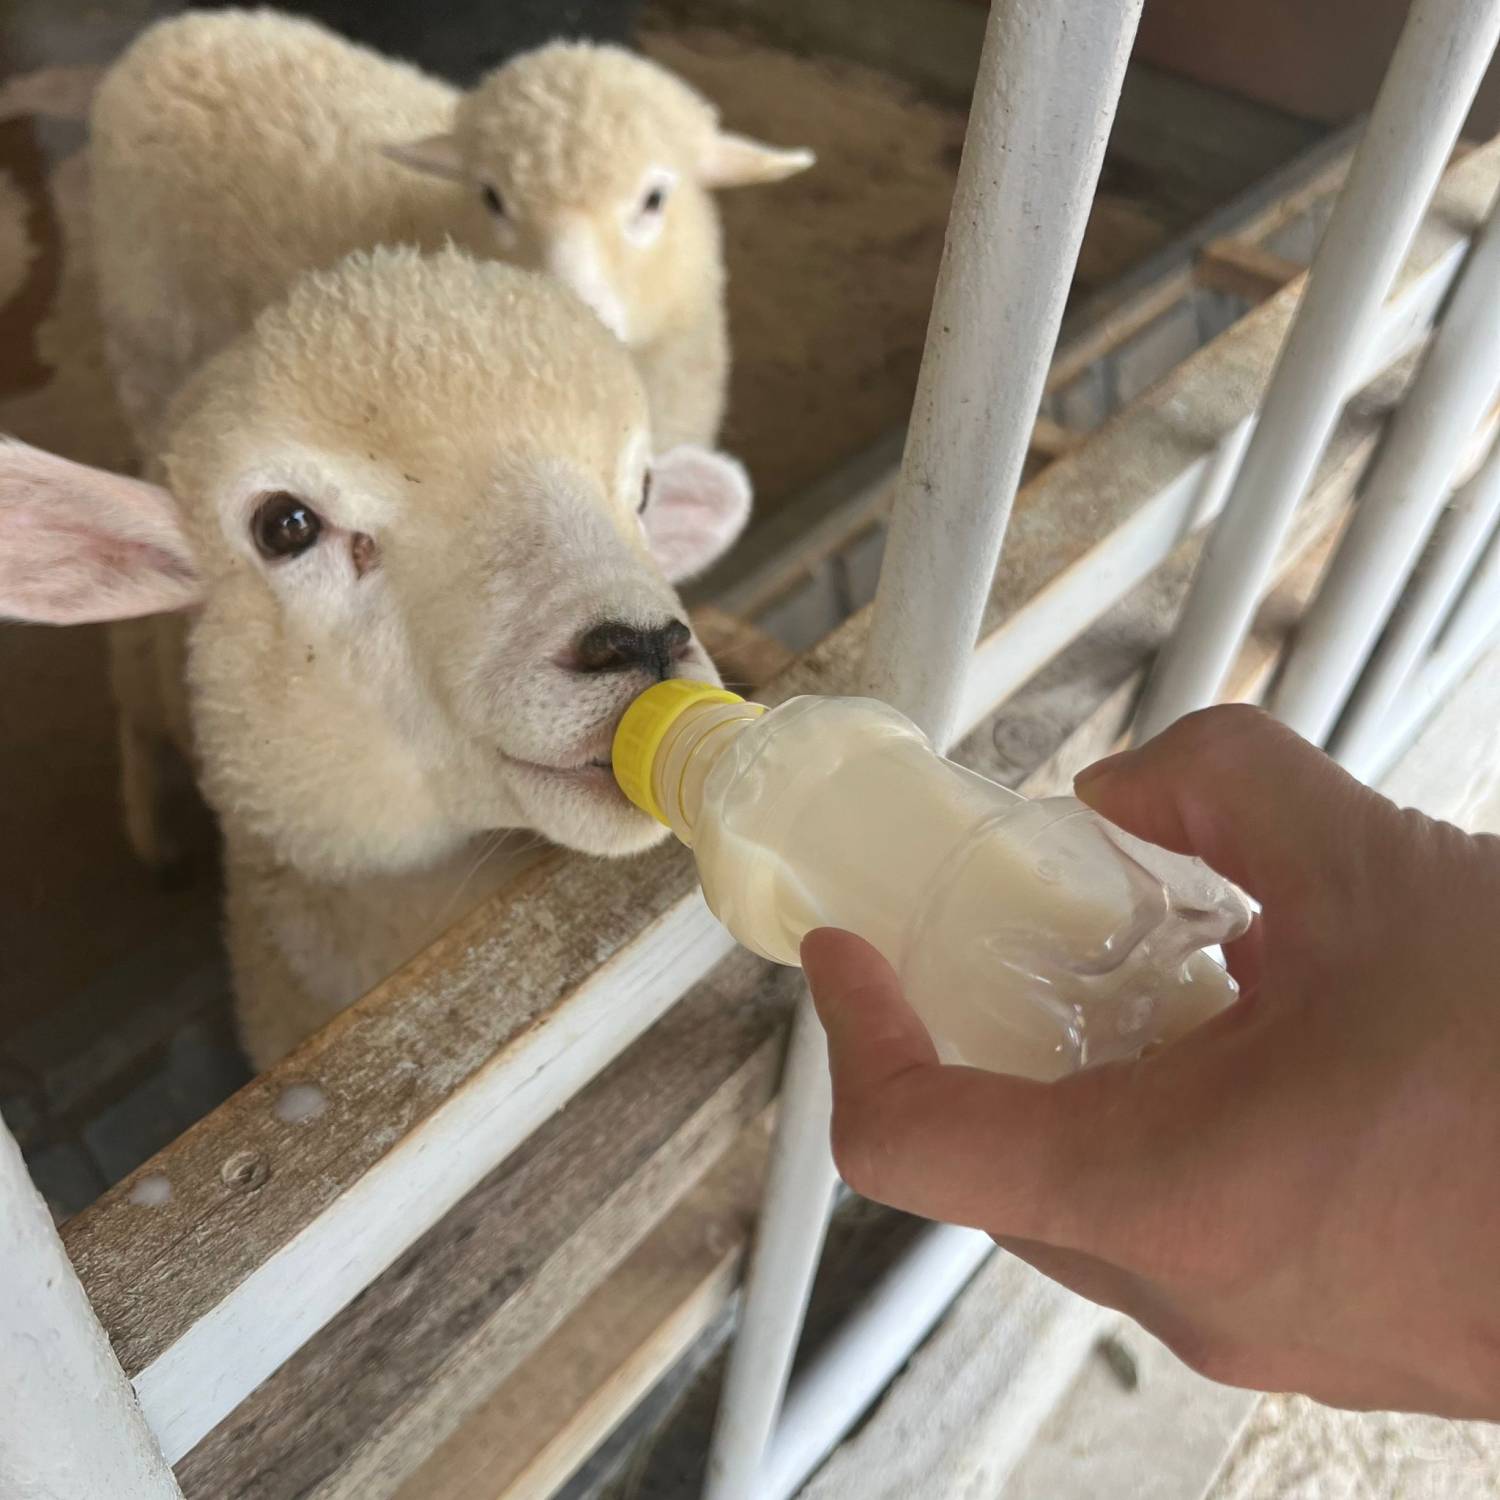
pixel 1245 794
pixel 874 1036
pixel 1007 1155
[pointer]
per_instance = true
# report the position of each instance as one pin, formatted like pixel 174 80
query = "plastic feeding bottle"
pixel 1032 938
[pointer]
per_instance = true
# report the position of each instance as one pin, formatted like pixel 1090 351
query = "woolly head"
pixel 595 165
pixel 427 554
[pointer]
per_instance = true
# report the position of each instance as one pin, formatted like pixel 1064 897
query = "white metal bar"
pixel 866 1352
pixel 1411 479
pixel 1473 625
pixel 1025 642
pixel 70 1426
pixel 958 1420
pixel 1428 599
pixel 1439 61
pixel 1042 110
pixel 800 1186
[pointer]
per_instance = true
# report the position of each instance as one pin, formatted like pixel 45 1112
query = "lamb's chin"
pixel 585 810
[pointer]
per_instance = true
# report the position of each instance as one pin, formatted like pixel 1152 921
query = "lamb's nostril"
pixel 616 646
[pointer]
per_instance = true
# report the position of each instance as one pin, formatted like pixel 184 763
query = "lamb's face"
pixel 427 484
pixel 432 556
pixel 593 164
pixel 586 162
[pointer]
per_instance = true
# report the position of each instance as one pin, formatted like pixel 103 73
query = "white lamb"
pixel 414 523
pixel 233 150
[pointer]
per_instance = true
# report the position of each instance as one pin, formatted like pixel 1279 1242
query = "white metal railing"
pixel 1444 50
pixel 260 1288
pixel 1424 450
pixel 1415 625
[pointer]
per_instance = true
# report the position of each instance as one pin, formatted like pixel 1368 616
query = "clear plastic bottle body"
pixel 1031 937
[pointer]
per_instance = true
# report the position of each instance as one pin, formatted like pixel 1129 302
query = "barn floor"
pixel 114 1029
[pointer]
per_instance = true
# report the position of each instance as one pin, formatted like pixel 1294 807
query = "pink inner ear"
pixel 700 502
pixel 70 575
pixel 80 545
pixel 150 571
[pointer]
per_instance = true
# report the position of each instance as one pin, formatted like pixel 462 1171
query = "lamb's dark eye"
pixel 494 202
pixel 640 509
pixel 654 201
pixel 284 526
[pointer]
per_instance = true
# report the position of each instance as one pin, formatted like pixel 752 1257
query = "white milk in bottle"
pixel 1032 938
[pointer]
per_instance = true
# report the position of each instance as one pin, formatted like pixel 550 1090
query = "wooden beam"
pixel 1101 325
pixel 1078 708
pixel 1051 439
pixel 746 656
pixel 403 1366
pixel 274 1223
pixel 1073 549
pixel 1116 327
pixel 1241 268
pixel 534 1431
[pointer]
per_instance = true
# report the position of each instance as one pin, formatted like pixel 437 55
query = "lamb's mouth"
pixel 596 774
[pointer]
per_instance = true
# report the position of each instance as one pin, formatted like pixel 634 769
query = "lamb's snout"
pixel 617 646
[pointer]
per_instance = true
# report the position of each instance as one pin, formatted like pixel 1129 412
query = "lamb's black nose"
pixel 615 646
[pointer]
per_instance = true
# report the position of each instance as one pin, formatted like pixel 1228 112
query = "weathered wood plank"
pixel 746 656
pixel 1240 268
pixel 1104 729
pixel 1078 707
pixel 273 1226
pixel 1051 439
pixel 533 1432
pixel 402 1366
pixel 1097 521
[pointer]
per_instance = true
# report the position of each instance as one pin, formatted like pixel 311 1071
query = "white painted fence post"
pixel 860 1360
pixel 1443 52
pixel 1473 627
pixel 70 1426
pixel 1428 440
pixel 1367 726
pixel 1043 106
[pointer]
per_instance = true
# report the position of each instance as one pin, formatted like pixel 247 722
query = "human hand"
pixel 1304 1193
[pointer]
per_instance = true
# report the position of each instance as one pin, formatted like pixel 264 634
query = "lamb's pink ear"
pixel 731 160
pixel 78 544
pixel 698 505
pixel 436 155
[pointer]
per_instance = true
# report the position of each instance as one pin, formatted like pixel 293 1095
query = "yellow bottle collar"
pixel 644 727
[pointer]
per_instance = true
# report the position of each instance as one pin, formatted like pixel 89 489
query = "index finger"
pixel 1057 1162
